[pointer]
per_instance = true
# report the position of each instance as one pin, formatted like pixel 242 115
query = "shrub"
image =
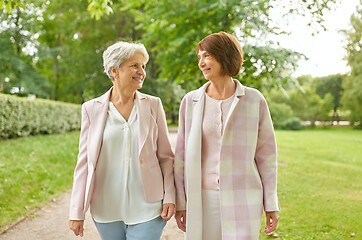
pixel 279 113
pixel 292 123
pixel 22 116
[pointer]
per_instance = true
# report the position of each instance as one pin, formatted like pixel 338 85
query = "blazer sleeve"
pixel 266 158
pixel 81 171
pixel 165 155
pixel 180 160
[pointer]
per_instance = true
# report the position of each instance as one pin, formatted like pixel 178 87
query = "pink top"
pixel 214 118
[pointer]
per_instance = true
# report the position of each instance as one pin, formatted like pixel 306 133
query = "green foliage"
pixel 303 103
pixel 352 97
pixel 331 84
pixel 173 36
pixel 97 9
pixel 283 117
pixel 170 93
pixel 22 117
pixel 10 4
pixel 34 170
pixel 308 106
pixel 71 47
pixel 68 42
pixel 292 123
pixel 17 73
pixel 172 29
pixel 279 113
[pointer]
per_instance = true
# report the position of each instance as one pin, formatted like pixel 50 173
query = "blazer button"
pixel 142 161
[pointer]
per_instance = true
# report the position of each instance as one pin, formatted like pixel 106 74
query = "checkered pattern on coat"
pixel 248 165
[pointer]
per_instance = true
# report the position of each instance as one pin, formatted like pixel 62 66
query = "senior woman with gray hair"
pixel 124 171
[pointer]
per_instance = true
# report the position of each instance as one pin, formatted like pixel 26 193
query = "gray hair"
pixel 117 53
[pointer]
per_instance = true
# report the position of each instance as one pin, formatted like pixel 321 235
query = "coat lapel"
pixel 193 166
pixel 240 91
pixel 144 109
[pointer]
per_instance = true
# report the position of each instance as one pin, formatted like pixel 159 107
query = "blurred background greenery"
pixel 53 49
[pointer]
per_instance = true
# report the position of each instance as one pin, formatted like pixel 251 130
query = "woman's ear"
pixel 114 72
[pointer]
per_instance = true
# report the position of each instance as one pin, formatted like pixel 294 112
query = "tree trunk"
pixel 56 69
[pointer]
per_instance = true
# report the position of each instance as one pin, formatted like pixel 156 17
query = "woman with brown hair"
pixel 225 161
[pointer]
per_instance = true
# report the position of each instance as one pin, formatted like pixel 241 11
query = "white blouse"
pixel 118 193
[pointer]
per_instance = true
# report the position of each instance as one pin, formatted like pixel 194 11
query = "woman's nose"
pixel 201 62
pixel 141 71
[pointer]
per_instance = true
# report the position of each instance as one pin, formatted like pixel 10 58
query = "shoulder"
pixel 150 98
pixel 89 103
pixel 189 96
pixel 103 98
pixel 253 94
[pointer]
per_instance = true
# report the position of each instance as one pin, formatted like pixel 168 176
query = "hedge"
pixel 22 116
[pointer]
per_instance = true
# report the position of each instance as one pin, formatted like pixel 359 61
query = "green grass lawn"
pixel 33 170
pixel 319 179
pixel 320 184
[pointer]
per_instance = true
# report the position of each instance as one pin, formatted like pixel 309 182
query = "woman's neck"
pixel 122 96
pixel 221 89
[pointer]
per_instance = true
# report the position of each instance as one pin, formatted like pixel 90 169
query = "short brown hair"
pixel 226 49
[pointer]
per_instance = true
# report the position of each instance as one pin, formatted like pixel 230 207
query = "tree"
pixel 308 106
pixel 333 85
pixel 71 47
pixel 352 97
pixel 11 4
pixel 171 29
pixel 16 61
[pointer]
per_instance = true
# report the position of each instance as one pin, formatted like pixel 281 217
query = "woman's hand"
pixel 181 220
pixel 76 226
pixel 168 211
pixel 272 219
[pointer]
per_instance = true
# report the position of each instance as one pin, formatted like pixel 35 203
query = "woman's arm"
pixel 180 215
pixel 180 161
pixel 266 158
pixel 80 172
pixel 165 156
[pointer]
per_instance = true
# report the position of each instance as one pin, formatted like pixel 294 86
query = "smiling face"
pixel 209 66
pixel 131 73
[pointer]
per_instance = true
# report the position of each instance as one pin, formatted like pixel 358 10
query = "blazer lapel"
pixel 98 122
pixel 144 109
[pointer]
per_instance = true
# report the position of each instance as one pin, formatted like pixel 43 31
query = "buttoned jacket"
pixel 155 153
pixel 248 165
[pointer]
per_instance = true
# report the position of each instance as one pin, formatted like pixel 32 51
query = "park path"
pixel 51 222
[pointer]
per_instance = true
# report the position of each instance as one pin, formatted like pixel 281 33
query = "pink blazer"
pixel 155 153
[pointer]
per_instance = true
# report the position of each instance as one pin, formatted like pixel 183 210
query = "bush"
pixel 292 123
pixel 22 116
pixel 279 113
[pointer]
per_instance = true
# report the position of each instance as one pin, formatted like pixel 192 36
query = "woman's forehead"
pixel 201 52
pixel 138 57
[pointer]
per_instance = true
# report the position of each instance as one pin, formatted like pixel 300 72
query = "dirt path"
pixel 51 222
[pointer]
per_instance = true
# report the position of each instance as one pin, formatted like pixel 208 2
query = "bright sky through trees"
pixel 325 50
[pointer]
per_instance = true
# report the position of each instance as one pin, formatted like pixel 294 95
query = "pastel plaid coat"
pixel 248 165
